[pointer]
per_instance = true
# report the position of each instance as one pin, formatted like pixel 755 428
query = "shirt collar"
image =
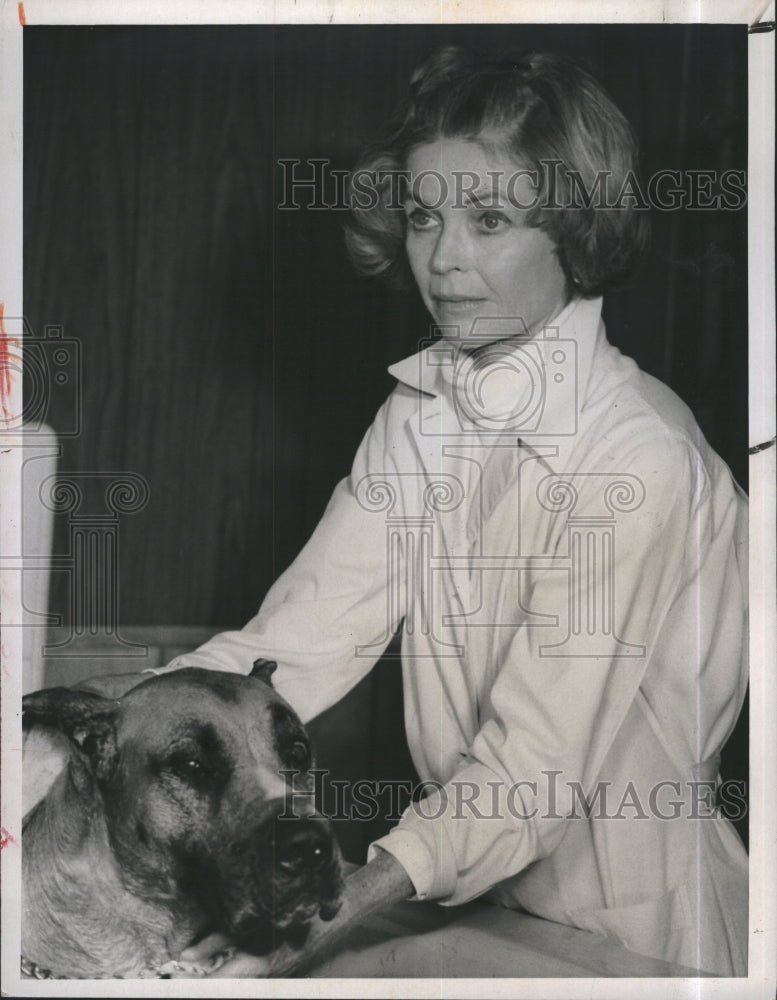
pixel 531 387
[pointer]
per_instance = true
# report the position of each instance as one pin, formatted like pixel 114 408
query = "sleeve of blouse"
pixel 553 717
pixel 329 602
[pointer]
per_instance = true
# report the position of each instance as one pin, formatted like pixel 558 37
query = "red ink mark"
pixel 22 18
pixel 5 365
pixel 4 657
pixel 6 838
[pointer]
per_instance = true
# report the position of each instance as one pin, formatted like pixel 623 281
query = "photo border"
pixel 763 730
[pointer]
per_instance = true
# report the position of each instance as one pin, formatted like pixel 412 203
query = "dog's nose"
pixel 302 845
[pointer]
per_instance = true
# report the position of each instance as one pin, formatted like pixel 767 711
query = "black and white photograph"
pixel 388 438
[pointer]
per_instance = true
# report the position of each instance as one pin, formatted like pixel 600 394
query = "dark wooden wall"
pixel 230 357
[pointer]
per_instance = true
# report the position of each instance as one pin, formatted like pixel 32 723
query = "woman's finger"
pixel 243 966
pixel 207 950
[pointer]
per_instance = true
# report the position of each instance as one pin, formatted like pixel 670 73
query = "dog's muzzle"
pixel 274 882
pixel 306 856
pixel 302 846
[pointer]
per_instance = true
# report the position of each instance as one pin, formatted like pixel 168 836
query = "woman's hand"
pixel 216 957
pixel 374 887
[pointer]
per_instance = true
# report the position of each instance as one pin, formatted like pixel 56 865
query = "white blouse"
pixel 566 557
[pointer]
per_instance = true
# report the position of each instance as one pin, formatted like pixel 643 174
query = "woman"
pixel 564 548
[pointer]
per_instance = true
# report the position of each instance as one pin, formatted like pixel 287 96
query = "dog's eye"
pixel 187 766
pixel 299 753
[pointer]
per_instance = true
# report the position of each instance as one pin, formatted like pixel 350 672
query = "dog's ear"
pixel 264 669
pixel 87 719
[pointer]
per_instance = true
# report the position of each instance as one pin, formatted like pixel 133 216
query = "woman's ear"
pixel 87 719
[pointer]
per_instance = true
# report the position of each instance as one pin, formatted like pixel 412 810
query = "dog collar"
pixel 164 971
pixel 35 971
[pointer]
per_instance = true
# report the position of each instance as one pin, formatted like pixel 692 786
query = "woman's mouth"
pixel 456 305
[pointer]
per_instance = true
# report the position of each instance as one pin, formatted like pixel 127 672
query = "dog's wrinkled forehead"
pixel 194 685
pixel 228 687
pixel 242 714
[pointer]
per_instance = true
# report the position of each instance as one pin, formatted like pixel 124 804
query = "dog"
pixel 171 820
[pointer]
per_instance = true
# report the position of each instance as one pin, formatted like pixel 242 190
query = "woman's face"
pixel 469 248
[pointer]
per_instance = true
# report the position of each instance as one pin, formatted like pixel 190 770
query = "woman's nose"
pixel 450 250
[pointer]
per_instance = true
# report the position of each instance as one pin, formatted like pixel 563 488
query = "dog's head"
pixel 203 778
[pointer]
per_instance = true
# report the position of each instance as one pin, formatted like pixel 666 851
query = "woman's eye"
pixel 492 222
pixel 419 219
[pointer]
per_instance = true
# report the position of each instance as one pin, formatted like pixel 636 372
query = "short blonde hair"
pixel 540 109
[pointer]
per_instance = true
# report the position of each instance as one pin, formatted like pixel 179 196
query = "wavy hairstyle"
pixel 547 114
